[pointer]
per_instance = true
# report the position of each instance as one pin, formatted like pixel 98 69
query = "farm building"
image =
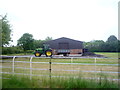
pixel 65 46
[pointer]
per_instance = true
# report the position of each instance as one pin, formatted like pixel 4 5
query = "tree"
pixel 5 31
pixel 94 46
pixel 112 38
pixel 26 41
pixel 111 45
pixel 38 43
pixel 48 39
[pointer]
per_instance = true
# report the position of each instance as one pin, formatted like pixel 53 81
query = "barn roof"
pixel 72 44
pixel 64 39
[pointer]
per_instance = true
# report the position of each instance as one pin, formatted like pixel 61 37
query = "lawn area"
pixel 19 54
pixel 109 54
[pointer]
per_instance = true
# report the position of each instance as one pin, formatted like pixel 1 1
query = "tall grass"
pixel 56 82
pixel 15 82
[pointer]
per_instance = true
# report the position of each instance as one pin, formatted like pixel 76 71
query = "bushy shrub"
pixel 11 50
pixel 29 51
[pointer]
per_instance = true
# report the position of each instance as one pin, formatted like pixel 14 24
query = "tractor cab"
pixel 45 46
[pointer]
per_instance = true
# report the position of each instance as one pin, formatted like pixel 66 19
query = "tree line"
pixel 111 45
pixel 27 43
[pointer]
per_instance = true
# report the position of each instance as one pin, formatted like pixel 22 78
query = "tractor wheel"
pixel 65 54
pixel 48 53
pixel 37 54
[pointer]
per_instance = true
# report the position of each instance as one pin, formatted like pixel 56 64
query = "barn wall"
pixel 75 46
pixel 72 51
pixel 76 51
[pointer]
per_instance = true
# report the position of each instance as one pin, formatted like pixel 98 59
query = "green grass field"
pixel 23 81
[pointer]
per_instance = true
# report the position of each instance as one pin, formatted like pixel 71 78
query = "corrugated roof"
pixel 72 44
pixel 65 38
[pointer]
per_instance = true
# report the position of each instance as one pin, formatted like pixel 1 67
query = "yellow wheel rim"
pixel 37 54
pixel 48 53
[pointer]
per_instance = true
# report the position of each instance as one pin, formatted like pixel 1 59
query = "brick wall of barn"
pixel 76 51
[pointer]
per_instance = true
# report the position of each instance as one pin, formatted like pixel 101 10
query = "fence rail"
pixel 57 76
pixel 50 69
pixel 62 63
pixel 63 70
pixel 56 56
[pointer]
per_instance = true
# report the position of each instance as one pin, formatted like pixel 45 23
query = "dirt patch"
pixel 91 54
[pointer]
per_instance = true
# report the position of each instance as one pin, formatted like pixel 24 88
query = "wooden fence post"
pixel 50 71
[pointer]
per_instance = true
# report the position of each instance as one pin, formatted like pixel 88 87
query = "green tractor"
pixel 45 50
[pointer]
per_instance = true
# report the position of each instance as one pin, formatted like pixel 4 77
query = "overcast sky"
pixel 83 20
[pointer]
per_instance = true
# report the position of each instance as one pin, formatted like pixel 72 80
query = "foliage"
pixel 111 45
pixel 48 39
pixel 26 44
pixel 26 41
pixel 11 50
pixel 5 31
pixel 95 45
pixel 118 45
pixel 38 43
pixel 112 38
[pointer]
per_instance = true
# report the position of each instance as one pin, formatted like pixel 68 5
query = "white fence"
pixel 50 68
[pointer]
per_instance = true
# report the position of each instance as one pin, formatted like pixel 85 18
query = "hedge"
pixel 11 50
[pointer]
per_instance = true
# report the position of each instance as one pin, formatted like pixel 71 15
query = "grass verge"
pixel 56 82
pixel 109 54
